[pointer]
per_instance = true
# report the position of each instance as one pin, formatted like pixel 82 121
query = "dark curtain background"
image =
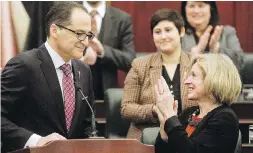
pixel 37 11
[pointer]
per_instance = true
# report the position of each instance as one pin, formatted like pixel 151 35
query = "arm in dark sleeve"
pixel 218 136
pixel 162 146
pixel 14 82
pixel 165 147
pixel 123 56
pixel 91 100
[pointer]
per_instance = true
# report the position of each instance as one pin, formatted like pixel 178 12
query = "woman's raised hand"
pixel 164 100
pixel 214 44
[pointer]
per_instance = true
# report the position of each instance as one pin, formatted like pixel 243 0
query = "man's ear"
pixel 53 30
pixel 182 32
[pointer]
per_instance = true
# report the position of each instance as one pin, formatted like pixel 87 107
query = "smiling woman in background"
pixel 210 127
pixel 203 32
pixel 167 27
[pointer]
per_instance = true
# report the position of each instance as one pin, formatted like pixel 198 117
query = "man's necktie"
pixel 69 94
pixel 94 29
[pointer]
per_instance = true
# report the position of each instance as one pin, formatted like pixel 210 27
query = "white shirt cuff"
pixel 32 141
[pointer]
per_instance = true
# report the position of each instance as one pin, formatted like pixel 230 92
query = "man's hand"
pixel 90 56
pixel 51 137
pixel 97 46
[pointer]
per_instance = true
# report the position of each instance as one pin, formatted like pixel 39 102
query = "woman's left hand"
pixel 163 134
pixel 214 44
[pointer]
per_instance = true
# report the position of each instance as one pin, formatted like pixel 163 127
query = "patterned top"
pixel 192 125
pixel 174 85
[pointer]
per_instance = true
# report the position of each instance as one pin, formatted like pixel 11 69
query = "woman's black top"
pixel 174 85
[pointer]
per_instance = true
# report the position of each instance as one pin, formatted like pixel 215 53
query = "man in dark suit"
pixel 112 48
pixel 40 99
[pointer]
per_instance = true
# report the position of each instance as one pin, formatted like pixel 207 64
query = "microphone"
pixel 93 123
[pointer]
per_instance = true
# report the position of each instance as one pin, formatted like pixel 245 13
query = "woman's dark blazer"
pixel 216 133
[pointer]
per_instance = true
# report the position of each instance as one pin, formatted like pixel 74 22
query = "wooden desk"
pixel 92 146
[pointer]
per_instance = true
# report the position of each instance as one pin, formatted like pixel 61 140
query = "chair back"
pixel 247 70
pixel 149 135
pixel 238 147
pixel 116 126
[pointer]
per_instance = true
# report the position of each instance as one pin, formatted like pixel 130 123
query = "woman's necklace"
pixel 196 113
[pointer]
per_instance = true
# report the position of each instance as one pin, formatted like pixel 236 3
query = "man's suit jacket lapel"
pixel 78 97
pixel 50 75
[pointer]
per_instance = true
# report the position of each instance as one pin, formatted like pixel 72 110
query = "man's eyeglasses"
pixel 80 35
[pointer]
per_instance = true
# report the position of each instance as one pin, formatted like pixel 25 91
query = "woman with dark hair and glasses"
pixel 204 32
pixel 167 28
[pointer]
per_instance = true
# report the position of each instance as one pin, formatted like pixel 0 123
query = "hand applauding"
pixel 214 44
pixel 165 106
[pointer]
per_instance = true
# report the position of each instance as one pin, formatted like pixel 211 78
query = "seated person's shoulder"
pixel 228 29
pixel 143 61
pixel 27 57
pixel 226 113
pixel 119 13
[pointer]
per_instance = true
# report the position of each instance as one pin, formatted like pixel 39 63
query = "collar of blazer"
pixel 184 59
pixel 155 71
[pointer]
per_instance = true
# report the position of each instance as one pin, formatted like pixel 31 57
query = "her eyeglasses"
pixel 80 35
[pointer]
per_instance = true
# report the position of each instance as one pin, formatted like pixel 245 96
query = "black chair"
pixel 139 54
pixel 116 126
pixel 247 71
pixel 149 137
pixel 239 143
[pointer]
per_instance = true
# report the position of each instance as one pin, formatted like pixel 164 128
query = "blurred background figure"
pixel 167 27
pixel 111 49
pixel 204 32
pixel 12 32
pixel 212 126
pixel 36 11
